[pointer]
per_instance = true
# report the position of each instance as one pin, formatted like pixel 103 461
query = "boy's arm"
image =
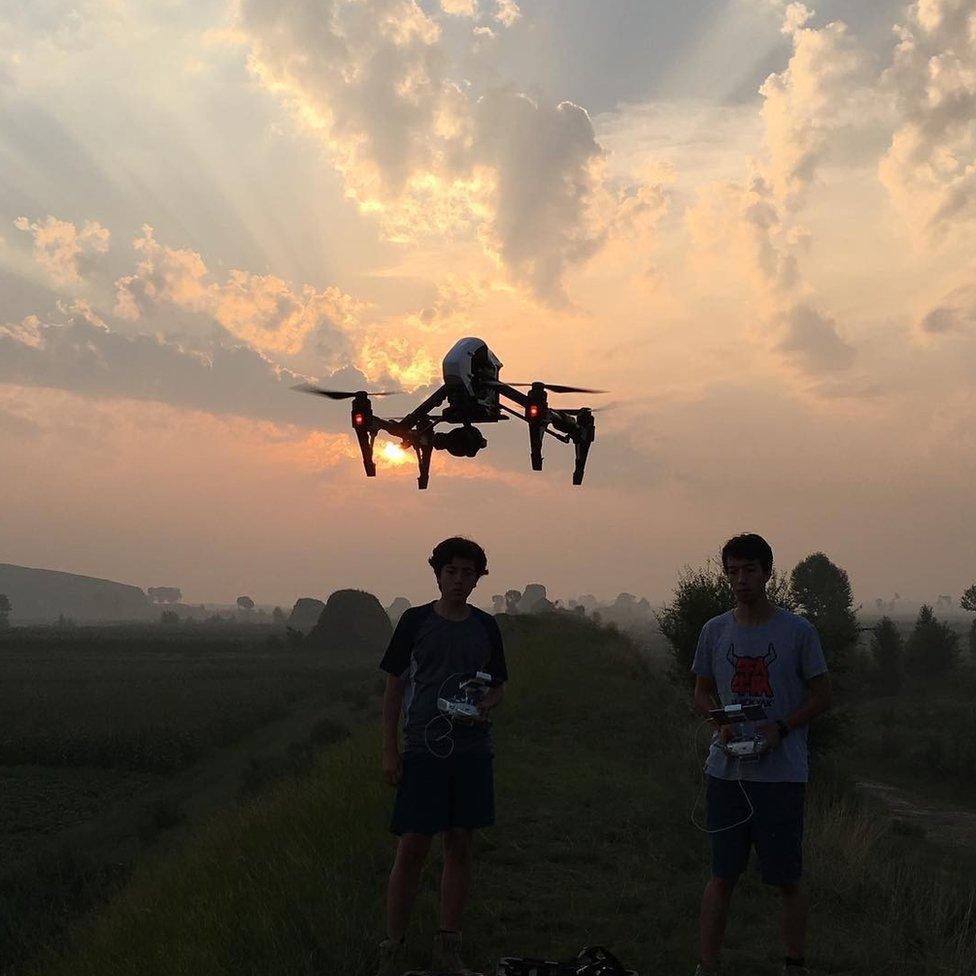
pixel 491 699
pixel 392 703
pixel 706 694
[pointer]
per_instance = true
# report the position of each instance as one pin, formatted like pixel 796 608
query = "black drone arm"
pixel 575 425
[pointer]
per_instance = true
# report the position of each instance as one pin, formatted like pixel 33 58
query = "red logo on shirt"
pixel 751 674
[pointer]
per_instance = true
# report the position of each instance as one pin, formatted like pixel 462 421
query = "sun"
pixel 393 454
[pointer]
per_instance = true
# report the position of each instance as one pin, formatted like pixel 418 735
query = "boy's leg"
pixel 793 921
pixel 401 891
pixel 780 844
pixel 456 877
pixel 714 915
pixel 730 823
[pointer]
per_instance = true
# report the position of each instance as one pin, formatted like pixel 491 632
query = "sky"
pixel 750 221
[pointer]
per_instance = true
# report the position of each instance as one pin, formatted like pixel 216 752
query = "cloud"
pixel 507 12
pixel 62 250
pixel 955 314
pixel 460 8
pixel 811 338
pixel 417 148
pixel 930 166
pixel 262 310
pixel 804 104
pixel 753 225
pixel 84 356
pixel 455 297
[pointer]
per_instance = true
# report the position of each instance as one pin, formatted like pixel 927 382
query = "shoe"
pixel 447 955
pixel 391 958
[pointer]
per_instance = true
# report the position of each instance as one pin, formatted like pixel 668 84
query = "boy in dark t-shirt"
pixel 443 777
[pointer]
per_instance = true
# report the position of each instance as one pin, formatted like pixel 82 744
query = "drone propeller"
pixel 601 409
pixel 553 387
pixel 339 394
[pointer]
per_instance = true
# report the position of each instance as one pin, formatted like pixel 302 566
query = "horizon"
pixel 482 596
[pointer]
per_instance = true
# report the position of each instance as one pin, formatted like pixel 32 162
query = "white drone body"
pixel 470 365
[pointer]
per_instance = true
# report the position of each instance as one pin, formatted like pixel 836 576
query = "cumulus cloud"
pixel 263 310
pixel 930 166
pixel 62 250
pixel 804 104
pixel 417 148
pixel 755 224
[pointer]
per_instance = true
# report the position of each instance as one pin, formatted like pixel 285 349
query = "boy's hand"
pixel 491 698
pixel 770 732
pixel 392 766
pixel 726 733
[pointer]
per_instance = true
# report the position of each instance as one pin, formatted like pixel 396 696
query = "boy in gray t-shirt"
pixel 768 664
pixel 758 654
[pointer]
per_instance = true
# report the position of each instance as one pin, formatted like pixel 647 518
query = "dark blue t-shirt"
pixel 433 655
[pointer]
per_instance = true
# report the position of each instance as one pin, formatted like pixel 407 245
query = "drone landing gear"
pixel 424 452
pixel 366 438
pixel 583 437
pixel 536 430
pixel 582 449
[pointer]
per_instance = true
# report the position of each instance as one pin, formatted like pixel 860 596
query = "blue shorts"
pixel 775 828
pixel 434 795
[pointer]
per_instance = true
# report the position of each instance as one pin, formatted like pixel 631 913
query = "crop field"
pixel 98 723
pixel 129 701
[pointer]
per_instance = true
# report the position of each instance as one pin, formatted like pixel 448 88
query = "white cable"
pixel 450 724
pixel 701 789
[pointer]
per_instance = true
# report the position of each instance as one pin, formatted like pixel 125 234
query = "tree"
pixel 5 610
pixel 932 648
pixel 278 617
pixel 822 592
pixel 512 598
pixel 169 618
pixel 888 651
pixel 968 602
pixel 700 595
pixel 245 603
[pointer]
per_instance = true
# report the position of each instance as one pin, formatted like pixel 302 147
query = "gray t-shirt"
pixel 769 665
pixel 434 654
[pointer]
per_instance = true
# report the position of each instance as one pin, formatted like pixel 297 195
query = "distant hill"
pixel 42 595
pixel 353 626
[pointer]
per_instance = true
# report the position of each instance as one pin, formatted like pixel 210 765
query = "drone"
pixel 471 394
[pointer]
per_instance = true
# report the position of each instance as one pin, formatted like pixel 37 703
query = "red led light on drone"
pixel 533 410
pixel 357 419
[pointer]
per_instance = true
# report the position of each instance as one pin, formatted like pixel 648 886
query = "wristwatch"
pixel 784 729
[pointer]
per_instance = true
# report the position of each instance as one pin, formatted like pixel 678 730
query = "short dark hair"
pixel 748 546
pixel 460 548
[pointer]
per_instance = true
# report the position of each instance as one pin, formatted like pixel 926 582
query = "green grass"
pixel 140 699
pixel 595 781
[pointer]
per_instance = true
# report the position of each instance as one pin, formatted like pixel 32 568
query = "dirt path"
pixel 942 823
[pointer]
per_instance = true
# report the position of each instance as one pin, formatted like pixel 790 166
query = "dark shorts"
pixel 775 828
pixel 437 794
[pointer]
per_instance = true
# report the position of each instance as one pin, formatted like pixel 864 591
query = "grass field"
pixel 595 784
